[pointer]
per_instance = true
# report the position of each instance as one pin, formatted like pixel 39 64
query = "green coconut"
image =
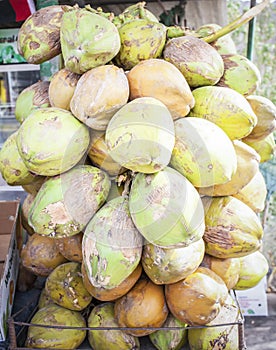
pixel 12 167
pixel 51 141
pixel 56 338
pixel 65 287
pixel 135 11
pixel 32 97
pixel 225 107
pixel 203 153
pixel 224 45
pixel 198 61
pixel 44 299
pixel 141 39
pixel 253 267
pixel 111 245
pixel 240 74
pixel 265 111
pixel 107 86
pixel 232 228
pixel 65 203
pixel 170 265
pixel 166 208
pixel 87 40
pixel 170 339
pixel 140 136
pixel 102 315
pixel 265 147
pixel 221 337
pixel 39 36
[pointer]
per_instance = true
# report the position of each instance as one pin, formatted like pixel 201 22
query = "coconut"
pixel 65 287
pixel 265 147
pixel 34 186
pixel 225 107
pixel 107 87
pixel 226 269
pixel 30 98
pixel 39 36
pixel 265 111
pixel 61 88
pixel 116 190
pixel 224 45
pixel 99 156
pixel 218 337
pixel 104 294
pixel 166 208
pixel 197 299
pixel 253 267
pixel 25 208
pixel 44 299
pixel 203 153
pixel 65 203
pixel 40 255
pixel 103 316
pixel 140 136
pixel 143 306
pixel 248 161
pixel 87 40
pixel 12 167
pixel 71 247
pixel 162 80
pixel 254 193
pixel 170 265
pixel 240 74
pixel 232 228
pixel 170 339
pixel 198 61
pixel 137 10
pixel 111 246
pixel 55 338
pixel 141 40
pixel 67 141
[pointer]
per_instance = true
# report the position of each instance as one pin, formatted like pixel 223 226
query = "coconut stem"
pixel 243 19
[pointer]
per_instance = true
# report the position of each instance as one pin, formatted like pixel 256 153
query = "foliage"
pixel 264 43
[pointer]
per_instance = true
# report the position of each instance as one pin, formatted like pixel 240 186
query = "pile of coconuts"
pixel 141 160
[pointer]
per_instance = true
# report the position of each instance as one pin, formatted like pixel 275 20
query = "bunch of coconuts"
pixel 141 161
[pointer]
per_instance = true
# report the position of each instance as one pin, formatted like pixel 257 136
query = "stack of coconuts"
pixel 141 162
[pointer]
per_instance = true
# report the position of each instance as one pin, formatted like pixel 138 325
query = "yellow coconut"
pixel 225 107
pixel 62 87
pixel 265 111
pixel 232 228
pixel 162 80
pixel 254 193
pixel 253 268
pixel 247 166
pixel 265 148
pixel 203 153
pixel 25 208
pixel 197 299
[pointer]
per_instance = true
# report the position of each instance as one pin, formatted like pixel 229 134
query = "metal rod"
pixel 251 31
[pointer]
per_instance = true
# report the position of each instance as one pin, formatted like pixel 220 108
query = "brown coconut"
pixel 226 269
pixel 143 306
pixel 162 80
pixel 114 293
pixel 197 299
pixel 62 87
pixel 40 255
pixel 71 247
pixel 107 88
pixel 248 161
pixel 98 154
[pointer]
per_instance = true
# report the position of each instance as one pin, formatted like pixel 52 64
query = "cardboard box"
pixel 10 242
